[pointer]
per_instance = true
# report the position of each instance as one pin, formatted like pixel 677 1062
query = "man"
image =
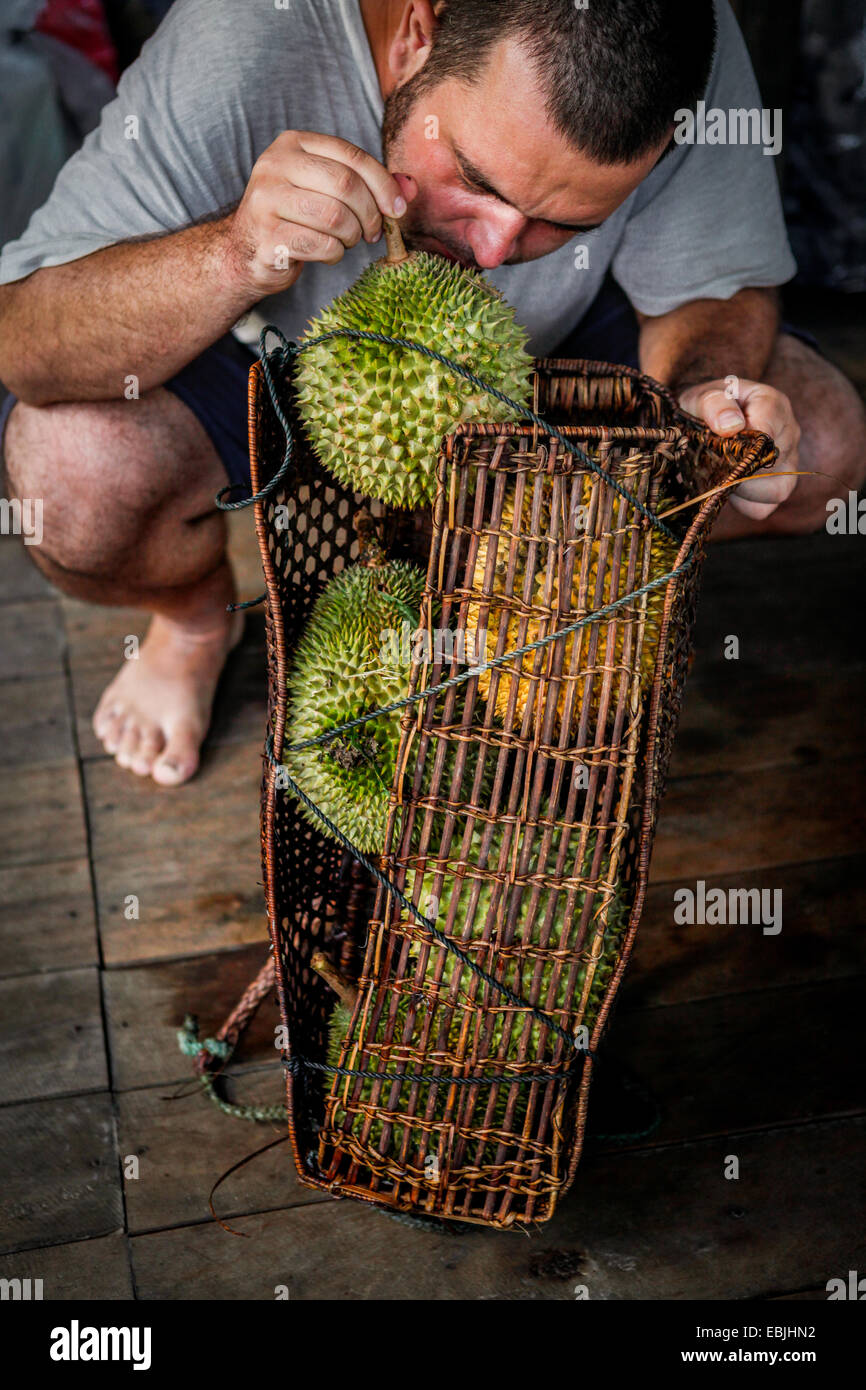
pixel 239 164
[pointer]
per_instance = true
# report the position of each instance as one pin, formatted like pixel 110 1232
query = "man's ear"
pixel 410 46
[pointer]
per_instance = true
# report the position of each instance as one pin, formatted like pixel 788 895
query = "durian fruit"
pixel 663 554
pixel 487 1030
pixel 376 414
pixel 342 668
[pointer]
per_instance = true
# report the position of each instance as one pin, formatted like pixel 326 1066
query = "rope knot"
pixel 190 1045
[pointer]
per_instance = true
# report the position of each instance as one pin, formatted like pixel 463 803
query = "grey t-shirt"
pixel 218 82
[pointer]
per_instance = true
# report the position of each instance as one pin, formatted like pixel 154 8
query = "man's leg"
pixel 128 519
pixel 833 441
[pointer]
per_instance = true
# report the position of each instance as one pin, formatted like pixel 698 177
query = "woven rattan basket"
pixel 568 796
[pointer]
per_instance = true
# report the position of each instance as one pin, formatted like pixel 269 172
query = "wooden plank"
pixel 42 815
pixel 823 936
pixel 52 1041
pixel 145 1006
pixel 60 1176
pixel 189 854
pixel 738 722
pixel 240 708
pixel 47 917
pixel 37 727
pixel 794 602
pixel 185 1144
pixel 661 1224
pixel 31 639
pixel 85 1269
pixel 739 1062
pixel 244 554
pixel 729 824
pixel 95 636
pixel 19 577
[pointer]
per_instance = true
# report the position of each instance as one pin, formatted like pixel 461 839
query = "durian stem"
pixel 397 252
pixel 346 992
pixel 371 552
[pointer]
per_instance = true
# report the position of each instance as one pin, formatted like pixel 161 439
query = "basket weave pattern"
pixel 524 810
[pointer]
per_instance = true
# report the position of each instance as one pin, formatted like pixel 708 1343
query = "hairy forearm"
pixel 710 339
pixel 139 309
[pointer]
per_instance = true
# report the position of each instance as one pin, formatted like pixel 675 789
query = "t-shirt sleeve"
pixel 708 221
pixel 171 149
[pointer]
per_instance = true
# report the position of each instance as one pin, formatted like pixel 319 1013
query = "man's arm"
pixel 147 308
pixel 713 354
pixel 710 338
pixel 75 332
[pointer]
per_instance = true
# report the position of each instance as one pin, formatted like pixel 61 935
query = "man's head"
pixel 526 122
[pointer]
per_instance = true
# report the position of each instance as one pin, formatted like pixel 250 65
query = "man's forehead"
pixel 498 128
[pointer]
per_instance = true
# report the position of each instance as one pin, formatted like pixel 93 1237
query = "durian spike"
pixel 346 992
pixel 371 552
pixel 397 252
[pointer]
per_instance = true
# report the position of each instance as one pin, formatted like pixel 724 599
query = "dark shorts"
pixel 214 385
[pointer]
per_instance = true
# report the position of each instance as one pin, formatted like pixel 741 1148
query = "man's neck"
pixel 381 18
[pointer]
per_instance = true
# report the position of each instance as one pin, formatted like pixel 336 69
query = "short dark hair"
pixel 616 72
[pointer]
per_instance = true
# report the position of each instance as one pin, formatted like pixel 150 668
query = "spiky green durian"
pixel 375 413
pixel 343 667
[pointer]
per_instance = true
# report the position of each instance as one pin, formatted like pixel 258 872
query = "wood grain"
pixel 823 936
pixel 86 1269
pixel 145 1006
pixel 47 917
pixel 190 855
pixel 733 824
pixel 52 1040
pixel 31 639
pixel 42 815
pixel 59 1173
pixel 661 1224
pixel 185 1144
pixel 744 1061
pixel 36 724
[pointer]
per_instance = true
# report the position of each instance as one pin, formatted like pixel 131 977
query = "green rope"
pixel 191 1045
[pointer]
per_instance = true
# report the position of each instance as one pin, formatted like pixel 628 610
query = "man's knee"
pixel 832 421
pixel 54 458
pixel 99 472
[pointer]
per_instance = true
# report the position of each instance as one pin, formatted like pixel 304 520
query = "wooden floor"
pixel 751 1043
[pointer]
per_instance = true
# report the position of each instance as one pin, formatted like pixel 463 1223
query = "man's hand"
pixel 309 198
pixel 731 404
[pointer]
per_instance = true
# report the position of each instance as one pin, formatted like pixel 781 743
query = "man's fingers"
pixel 317 174
pixel 715 407
pixel 757 407
pixel 383 187
pixel 306 244
pixel 320 213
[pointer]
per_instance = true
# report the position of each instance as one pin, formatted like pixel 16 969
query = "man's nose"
pixel 494 236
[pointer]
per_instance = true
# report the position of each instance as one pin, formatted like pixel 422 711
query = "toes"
pixel 150 746
pixel 105 711
pixel 109 731
pixel 179 759
pixel 128 745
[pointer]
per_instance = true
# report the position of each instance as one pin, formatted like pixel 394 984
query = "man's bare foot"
pixel 155 713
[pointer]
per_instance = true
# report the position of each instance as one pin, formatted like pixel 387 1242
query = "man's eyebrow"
pixel 475 176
